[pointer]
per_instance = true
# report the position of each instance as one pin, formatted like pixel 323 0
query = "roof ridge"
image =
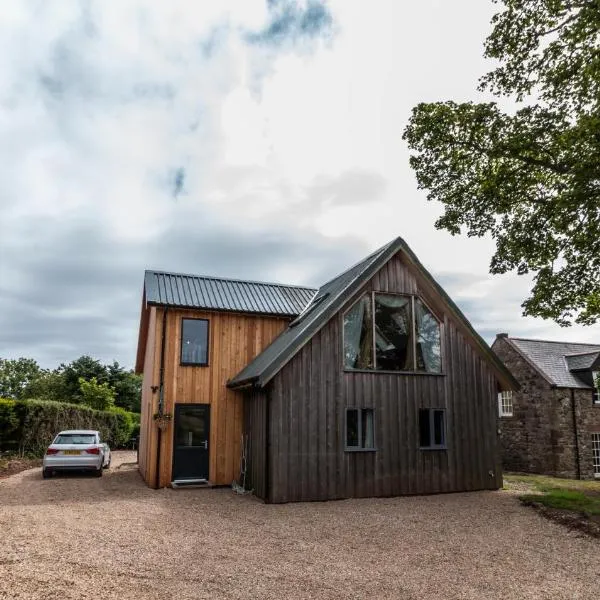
pixel 583 353
pixel 233 279
pixel 554 342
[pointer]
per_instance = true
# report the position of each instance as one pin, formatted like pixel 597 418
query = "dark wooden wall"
pixel 255 427
pixel 309 396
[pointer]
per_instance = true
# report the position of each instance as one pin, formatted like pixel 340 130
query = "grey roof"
pixel 217 293
pixel 550 358
pixel 326 303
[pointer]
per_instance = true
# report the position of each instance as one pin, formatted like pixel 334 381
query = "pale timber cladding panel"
pixel 234 340
pixel 309 397
pixel 146 405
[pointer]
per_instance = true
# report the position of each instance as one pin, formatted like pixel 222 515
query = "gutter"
pixel 161 396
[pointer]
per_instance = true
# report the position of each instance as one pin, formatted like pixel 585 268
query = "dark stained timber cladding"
pixel 255 428
pixel 310 395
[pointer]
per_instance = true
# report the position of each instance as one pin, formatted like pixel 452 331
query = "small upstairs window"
pixel 194 342
pixel 596 392
pixel 505 404
pixel 432 429
pixel 360 429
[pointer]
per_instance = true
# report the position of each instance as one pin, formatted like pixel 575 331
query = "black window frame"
pixel 412 297
pixel 431 422
pixel 360 447
pixel 183 363
pixel 595 390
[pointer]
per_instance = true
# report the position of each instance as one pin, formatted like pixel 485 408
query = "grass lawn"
pixel 572 502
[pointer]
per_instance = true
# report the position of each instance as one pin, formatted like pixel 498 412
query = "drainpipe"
pixel 576 435
pixel 161 393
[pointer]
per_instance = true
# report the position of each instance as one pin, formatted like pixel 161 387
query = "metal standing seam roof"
pixel 218 293
pixel 556 359
pixel 326 302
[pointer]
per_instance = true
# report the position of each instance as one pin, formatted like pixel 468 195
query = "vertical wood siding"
pixel 234 340
pixel 309 397
pixel 255 427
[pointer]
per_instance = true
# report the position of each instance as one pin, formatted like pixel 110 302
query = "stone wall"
pixel 588 422
pixel 540 436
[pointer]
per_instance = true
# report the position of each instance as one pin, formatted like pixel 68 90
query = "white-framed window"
pixel 596 454
pixel 505 404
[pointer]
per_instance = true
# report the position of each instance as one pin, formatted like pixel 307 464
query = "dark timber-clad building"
pixel 379 387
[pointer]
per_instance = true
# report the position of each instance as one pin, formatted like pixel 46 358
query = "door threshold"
pixel 188 483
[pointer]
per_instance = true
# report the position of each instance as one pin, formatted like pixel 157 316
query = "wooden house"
pixel 376 385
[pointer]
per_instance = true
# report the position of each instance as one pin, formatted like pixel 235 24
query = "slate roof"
pixel 550 358
pixel 218 293
pixel 582 362
pixel 326 303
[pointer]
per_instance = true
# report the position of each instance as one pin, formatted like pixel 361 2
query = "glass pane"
pixel 424 433
pixel 429 356
pixel 368 438
pixel 352 428
pixel 393 333
pixel 194 341
pixel 438 428
pixel 191 429
pixel 358 336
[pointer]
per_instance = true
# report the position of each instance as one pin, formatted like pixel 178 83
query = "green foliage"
pixel 576 501
pixel 96 395
pixel 16 375
pixel 530 179
pixel 28 426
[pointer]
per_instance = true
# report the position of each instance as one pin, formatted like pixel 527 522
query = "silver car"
pixel 76 450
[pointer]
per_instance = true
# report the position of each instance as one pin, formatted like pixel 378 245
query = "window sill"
pixel 433 448
pixel 360 449
pixel 192 364
pixel 506 416
pixel 377 372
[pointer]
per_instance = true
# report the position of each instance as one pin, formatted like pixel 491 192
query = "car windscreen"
pixel 75 438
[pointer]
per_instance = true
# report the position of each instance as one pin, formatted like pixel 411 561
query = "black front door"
pixel 190 451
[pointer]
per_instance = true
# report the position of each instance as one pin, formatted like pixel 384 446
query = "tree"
pixel 96 395
pixel 531 178
pixel 127 385
pixel 84 367
pixel 16 375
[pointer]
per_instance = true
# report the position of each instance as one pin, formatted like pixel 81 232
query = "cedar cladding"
pixel 307 402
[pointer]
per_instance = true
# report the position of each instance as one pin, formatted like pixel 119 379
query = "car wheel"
pixel 46 473
pixel 107 465
pixel 98 472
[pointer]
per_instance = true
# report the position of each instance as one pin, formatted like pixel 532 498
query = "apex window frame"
pixel 187 363
pixel 360 412
pixel 413 330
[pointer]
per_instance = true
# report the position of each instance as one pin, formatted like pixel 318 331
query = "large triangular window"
pixel 391 332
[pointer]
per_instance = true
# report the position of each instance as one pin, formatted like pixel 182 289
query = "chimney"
pixel 501 335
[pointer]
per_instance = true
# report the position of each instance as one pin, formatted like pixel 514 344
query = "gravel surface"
pixel 78 537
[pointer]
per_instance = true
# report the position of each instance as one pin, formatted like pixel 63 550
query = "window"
pixel 505 404
pixel 194 342
pixel 596 454
pixel 596 392
pixel 391 332
pixel 432 429
pixel 360 429
pixel 358 336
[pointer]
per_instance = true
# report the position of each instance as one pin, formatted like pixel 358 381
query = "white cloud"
pixel 295 143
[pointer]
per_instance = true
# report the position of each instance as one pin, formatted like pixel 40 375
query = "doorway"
pixel 190 443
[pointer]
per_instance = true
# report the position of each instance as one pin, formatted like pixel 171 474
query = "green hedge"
pixel 28 426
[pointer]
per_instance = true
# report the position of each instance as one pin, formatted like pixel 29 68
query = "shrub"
pixel 28 426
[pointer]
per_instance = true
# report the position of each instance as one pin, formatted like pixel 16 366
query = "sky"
pixel 257 139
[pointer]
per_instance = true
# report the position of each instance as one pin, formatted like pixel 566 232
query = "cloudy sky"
pixel 251 138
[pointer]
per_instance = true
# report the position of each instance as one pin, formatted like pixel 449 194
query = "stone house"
pixel 552 424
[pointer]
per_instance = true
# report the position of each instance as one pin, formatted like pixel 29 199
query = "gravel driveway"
pixel 78 537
